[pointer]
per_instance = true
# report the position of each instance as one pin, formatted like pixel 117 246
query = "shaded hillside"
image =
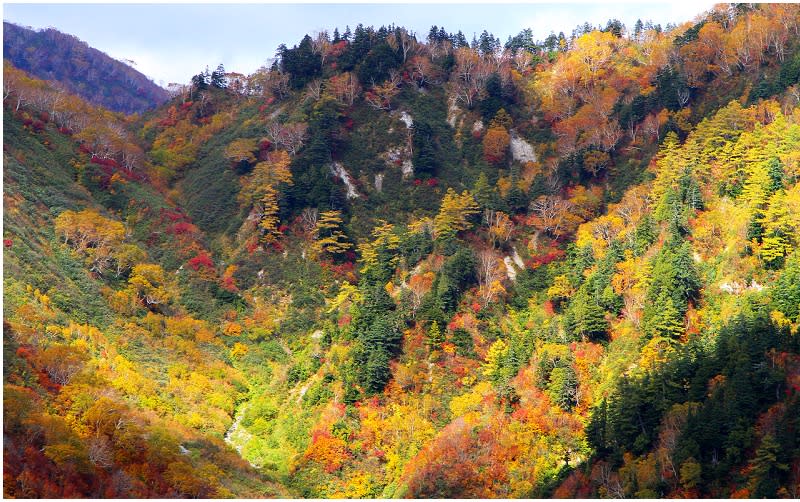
pixel 102 80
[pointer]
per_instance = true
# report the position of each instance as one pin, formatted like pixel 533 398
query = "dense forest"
pixel 412 265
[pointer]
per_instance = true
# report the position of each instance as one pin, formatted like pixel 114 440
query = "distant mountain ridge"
pixel 51 55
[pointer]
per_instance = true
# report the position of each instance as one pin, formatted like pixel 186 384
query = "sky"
pixel 172 42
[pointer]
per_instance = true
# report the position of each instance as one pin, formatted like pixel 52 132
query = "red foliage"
pixel 344 320
pixel 264 145
pixel 104 162
pixel 27 353
pixel 417 182
pixel 476 307
pixel 549 309
pixel 182 228
pixel 229 284
pixel 577 485
pixel 432 182
pixel 348 124
pixel 252 245
pixel 519 220
pixel 345 270
pixel 544 259
pixel 173 215
pixel 201 260
pixel 8 243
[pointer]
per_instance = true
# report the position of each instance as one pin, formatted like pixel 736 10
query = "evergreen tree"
pixel 425 159
pixel 764 476
pixel 434 336
pixel 563 387
pixel 483 192
pixel 218 79
pixel 662 319
pixel 585 318
pixel 462 339
pixel 300 62
pixel 376 372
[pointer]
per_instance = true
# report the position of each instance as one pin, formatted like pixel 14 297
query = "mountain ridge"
pixel 83 70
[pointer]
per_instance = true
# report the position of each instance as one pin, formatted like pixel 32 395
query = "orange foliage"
pixel 495 145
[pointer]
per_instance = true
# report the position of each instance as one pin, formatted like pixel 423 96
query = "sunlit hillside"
pixel 407 265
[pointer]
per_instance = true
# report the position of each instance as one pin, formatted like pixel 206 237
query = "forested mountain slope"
pixel 80 69
pixel 395 267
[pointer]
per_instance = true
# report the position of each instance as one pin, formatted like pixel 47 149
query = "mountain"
pixel 396 267
pixel 84 71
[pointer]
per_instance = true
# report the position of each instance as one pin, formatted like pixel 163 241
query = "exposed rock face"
pixel 339 171
pixel 406 119
pixel 511 272
pixel 452 113
pixel 399 156
pixel 521 150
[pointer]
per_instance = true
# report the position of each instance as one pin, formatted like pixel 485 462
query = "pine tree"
pixel 765 467
pixel 218 79
pixel 483 192
pixel 434 336
pixel 376 373
pixel 462 339
pixel 585 318
pixel 664 320
pixel 776 175
pixel 563 387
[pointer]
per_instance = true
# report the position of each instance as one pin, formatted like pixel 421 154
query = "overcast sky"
pixel 172 42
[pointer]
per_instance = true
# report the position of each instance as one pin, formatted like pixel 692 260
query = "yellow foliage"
pixel 471 401
pixel 561 288
pixel 454 213
pixel 348 294
pixel 494 358
pixel 238 350
pixel 329 236
pixel 655 353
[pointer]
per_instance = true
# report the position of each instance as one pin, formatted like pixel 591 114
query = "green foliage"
pixel 462 339
pixel 301 62
pixel 457 274
pixel 674 280
pixel 585 318
pixel 434 336
pixel 786 292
